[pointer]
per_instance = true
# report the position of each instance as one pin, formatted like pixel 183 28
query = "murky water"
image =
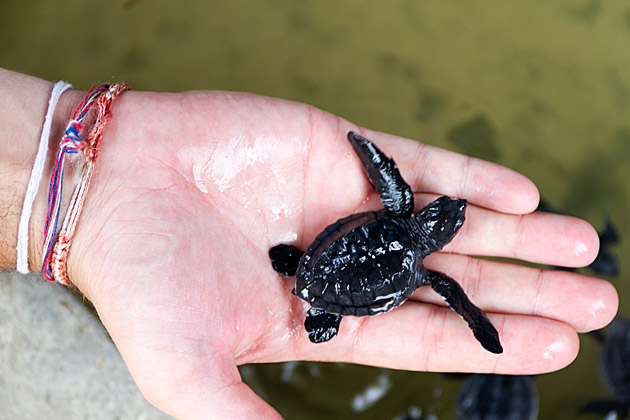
pixel 542 87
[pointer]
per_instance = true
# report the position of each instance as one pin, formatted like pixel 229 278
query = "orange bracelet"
pixel 55 268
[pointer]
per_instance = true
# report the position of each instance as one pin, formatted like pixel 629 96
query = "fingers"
pixel 496 194
pixel 539 237
pixel 431 169
pixel 541 311
pixel 585 303
pixel 542 238
pixel 430 338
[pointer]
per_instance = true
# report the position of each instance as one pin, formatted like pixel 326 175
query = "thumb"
pixel 214 391
pixel 232 401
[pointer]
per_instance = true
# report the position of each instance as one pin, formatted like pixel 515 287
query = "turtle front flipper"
pixel 321 325
pixel 477 320
pixel 395 193
pixel 285 259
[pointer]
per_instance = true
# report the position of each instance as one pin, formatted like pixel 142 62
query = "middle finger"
pixel 539 237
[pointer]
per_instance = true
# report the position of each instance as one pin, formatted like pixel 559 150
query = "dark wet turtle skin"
pixel 615 359
pixel 614 364
pixel 497 397
pixel 369 263
pixel 361 265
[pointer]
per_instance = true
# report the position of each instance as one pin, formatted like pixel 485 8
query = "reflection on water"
pixel 372 393
pixel 309 390
pixel 543 87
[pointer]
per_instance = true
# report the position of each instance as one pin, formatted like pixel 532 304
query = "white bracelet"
pixel 36 177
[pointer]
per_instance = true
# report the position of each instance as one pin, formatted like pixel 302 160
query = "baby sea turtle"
pixel 497 397
pixel 369 263
pixel 615 369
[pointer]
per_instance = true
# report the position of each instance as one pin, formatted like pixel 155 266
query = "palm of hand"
pixel 192 191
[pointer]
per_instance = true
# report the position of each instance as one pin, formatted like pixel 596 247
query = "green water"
pixel 542 87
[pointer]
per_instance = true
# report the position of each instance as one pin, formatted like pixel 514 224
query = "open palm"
pixel 193 189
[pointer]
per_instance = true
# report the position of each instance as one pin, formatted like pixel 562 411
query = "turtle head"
pixel 438 222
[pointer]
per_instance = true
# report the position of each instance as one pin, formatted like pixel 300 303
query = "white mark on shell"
pixel 395 246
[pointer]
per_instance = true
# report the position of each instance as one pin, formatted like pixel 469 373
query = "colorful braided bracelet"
pixel 57 246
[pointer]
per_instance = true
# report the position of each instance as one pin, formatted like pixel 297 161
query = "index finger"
pixel 432 169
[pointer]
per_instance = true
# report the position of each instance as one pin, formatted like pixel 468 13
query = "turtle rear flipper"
pixel 477 320
pixel 285 259
pixel 395 193
pixel 321 325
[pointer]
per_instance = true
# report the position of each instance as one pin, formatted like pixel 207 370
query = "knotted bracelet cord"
pixel 56 252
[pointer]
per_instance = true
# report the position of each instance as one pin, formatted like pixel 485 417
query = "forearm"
pixel 23 105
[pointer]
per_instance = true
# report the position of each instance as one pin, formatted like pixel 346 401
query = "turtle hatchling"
pixel 497 397
pixel 369 263
pixel 615 370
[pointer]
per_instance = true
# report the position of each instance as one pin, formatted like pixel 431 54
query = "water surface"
pixel 542 87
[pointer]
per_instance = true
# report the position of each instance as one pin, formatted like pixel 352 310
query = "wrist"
pixel 23 105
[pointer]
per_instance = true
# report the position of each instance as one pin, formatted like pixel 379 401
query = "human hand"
pixel 191 191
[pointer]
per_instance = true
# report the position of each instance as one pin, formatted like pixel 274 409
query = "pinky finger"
pixel 425 337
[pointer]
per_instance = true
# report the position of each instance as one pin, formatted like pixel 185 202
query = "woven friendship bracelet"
pixel 56 249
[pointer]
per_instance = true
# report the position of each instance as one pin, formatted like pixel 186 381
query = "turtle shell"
pixel 363 264
pixel 497 397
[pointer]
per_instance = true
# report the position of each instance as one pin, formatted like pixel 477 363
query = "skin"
pixel 192 189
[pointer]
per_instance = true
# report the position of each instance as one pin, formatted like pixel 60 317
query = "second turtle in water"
pixel 369 263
